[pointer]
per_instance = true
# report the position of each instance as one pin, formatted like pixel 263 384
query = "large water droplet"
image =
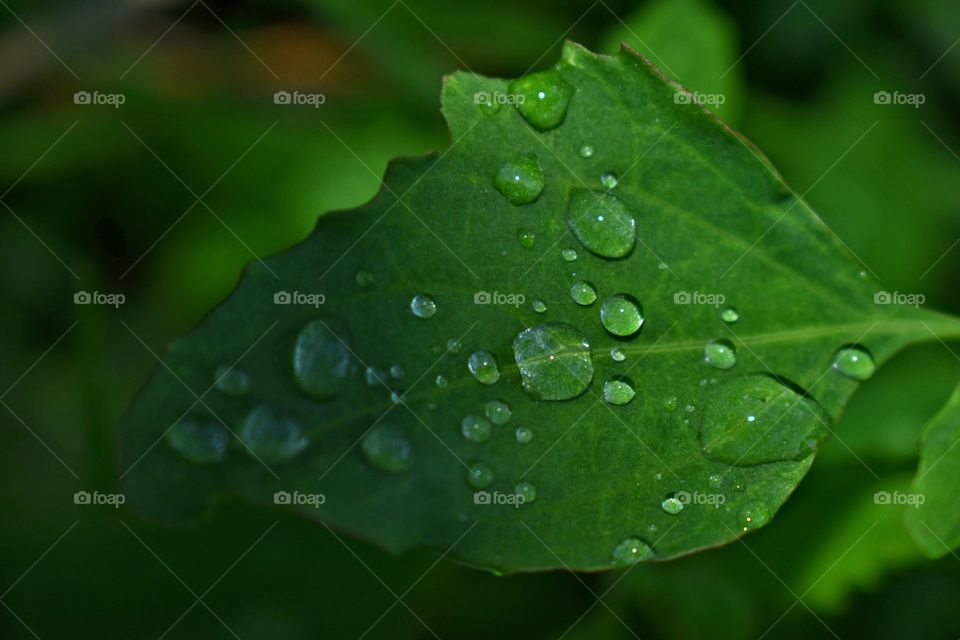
pixel 755 419
pixel 554 361
pixel 621 315
pixel 527 490
pixel 854 362
pixel 498 411
pixel 199 441
pixel 480 476
pixel 583 293
pixel 270 437
pixel 720 354
pixel 618 390
pixel 520 180
pixel 321 361
pixel 602 223
pixel 231 380
pixel 546 96
pixel 631 551
pixel 483 366
pixel 524 435
pixel 476 429
pixel 385 447
pixel 423 306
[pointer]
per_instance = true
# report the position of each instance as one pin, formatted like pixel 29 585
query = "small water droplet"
pixel 524 435
pixel 321 361
pixel 386 448
pixel 631 551
pixel 569 255
pixel 487 103
pixel 554 360
pixel 621 315
pixel 618 390
pixel 270 437
pixel 673 506
pixel 539 305
pixel 527 490
pixel 454 345
pixel 720 354
pixel 729 315
pixel 199 441
pixel 498 411
pixel 583 293
pixel 586 151
pixel 670 404
pixel 753 517
pixel 526 238
pixel 364 278
pixel 854 362
pixel 476 429
pixel 546 96
pixel 396 371
pixel 602 223
pixel 609 179
pixel 231 380
pixel 618 354
pixel 690 408
pixel 483 366
pixel 375 376
pixel 423 306
pixel 480 476
pixel 715 481
pixel 441 381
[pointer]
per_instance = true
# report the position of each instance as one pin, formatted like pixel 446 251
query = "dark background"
pixel 98 198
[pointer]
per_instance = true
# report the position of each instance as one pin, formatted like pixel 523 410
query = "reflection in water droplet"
pixel 423 306
pixel 631 551
pixel 569 255
pixel 476 429
pixel 480 476
pixel 199 441
pixel 498 411
pixel 526 238
pixel 602 223
pixel 321 361
pixel 527 490
pixel 554 361
pixel 546 96
pixel 483 366
pixel 583 293
pixel 720 354
pixel 524 435
pixel 673 506
pixel 729 315
pixel 854 362
pixel 621 315
pixel 755 419
pixel 618 390
pixel 386 448
pixel 231 380
pixel 609 179
pixel 271 438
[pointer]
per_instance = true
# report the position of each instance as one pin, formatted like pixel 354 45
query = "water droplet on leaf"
pixel 618 390
pixel 199 441
pixel 546 96
pixel 321 361
pixel 583 293
pixel 720 354
pixel 554 361
pixel 386 448
pixel 476 429
pixel 480 476
pixel 621 315
pixel 423 306
pixel 602 223
pixel 498 411
pixel 231 380
pixel 631 551
pixel 524 435
pixel 729 315
pixel 270 437
pixel 483 366
pixel 854 362
pixel 609 179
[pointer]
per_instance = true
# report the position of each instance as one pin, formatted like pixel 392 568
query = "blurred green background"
pixel 165 197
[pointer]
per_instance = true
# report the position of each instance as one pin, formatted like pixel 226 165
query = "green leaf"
pixel 935 522
pixel 633 426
